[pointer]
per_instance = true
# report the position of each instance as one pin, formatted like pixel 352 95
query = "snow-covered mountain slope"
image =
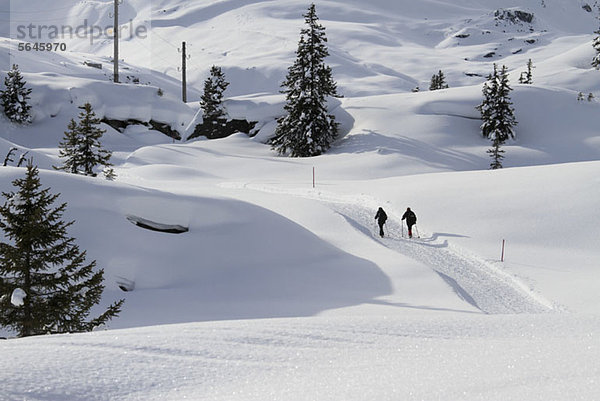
pixel 364 317
pixel 379 47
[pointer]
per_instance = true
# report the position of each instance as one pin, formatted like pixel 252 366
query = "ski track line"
pixel 478 282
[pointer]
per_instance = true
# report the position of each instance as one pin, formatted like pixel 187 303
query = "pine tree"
pixel 307 129
pixel 434 83
pixel 15 97
pixel 496 154
pixel 503 110
pixel 68 149
pixel 81 148
pixel 42 263
pixel 527 76
pixel 497 113
pixel 596 46
pixel 214 114
pixel 486 108
pixel 438 81
pixel 109 173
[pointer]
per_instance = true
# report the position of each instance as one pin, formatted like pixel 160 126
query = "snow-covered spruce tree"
pixel 45 284
pixel 496 154
pixel 68 149
pixel 527 76
pixel 81 149
pixel 438 81
pixel 504 113
pixel 15 96
pixel 497 113
pixel 307 129
pixel 596 46
pixel 486 108
pixel 214 114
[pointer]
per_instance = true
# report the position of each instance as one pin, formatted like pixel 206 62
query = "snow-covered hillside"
pixel 281 289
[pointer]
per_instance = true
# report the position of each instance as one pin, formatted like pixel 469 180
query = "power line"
pixel 164 40
pixel 175 47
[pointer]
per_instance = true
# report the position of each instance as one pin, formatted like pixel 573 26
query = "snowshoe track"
pixel 478 282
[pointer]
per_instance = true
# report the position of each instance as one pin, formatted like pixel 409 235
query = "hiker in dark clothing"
pixel 411 220
pixel 381 217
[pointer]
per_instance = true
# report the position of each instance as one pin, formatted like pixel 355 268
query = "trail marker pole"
pixel 313 177
pixel 502 257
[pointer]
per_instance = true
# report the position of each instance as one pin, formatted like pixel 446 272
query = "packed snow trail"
pixel 476 281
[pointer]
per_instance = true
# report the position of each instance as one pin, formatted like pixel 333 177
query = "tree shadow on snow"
pixel 434 156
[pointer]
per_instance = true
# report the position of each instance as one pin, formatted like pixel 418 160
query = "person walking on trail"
pixel 381 217
pixel 411 220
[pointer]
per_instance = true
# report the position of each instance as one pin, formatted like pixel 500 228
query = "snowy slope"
pixel 533 358
pixel 283 290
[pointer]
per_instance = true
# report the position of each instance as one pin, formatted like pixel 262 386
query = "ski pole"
pixel 417 230
pixel 402 224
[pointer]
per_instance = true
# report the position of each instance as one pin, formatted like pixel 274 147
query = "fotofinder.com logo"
pixel 35 32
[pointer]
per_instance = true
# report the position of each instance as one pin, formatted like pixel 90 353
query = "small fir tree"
pixel 486 108
pixel 504 113
pixel 42 265
pixel 69 149
pixel 15 97
pixel 497 113
pixel 527 76
pixel 81 149
pixel 109 173
pixel 496 154
pixel 438 81
pixel 307 129
pixel 214 114
pixel 596 46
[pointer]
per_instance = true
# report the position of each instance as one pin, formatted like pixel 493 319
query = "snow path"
pixel 475 280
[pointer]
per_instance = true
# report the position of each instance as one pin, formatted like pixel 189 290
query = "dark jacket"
pixel 410 216
pixel 381 216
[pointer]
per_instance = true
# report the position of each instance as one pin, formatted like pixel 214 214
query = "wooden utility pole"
pixel 183 74
pixel 116 43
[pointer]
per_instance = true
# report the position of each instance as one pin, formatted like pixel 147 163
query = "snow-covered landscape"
pixel 272 282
